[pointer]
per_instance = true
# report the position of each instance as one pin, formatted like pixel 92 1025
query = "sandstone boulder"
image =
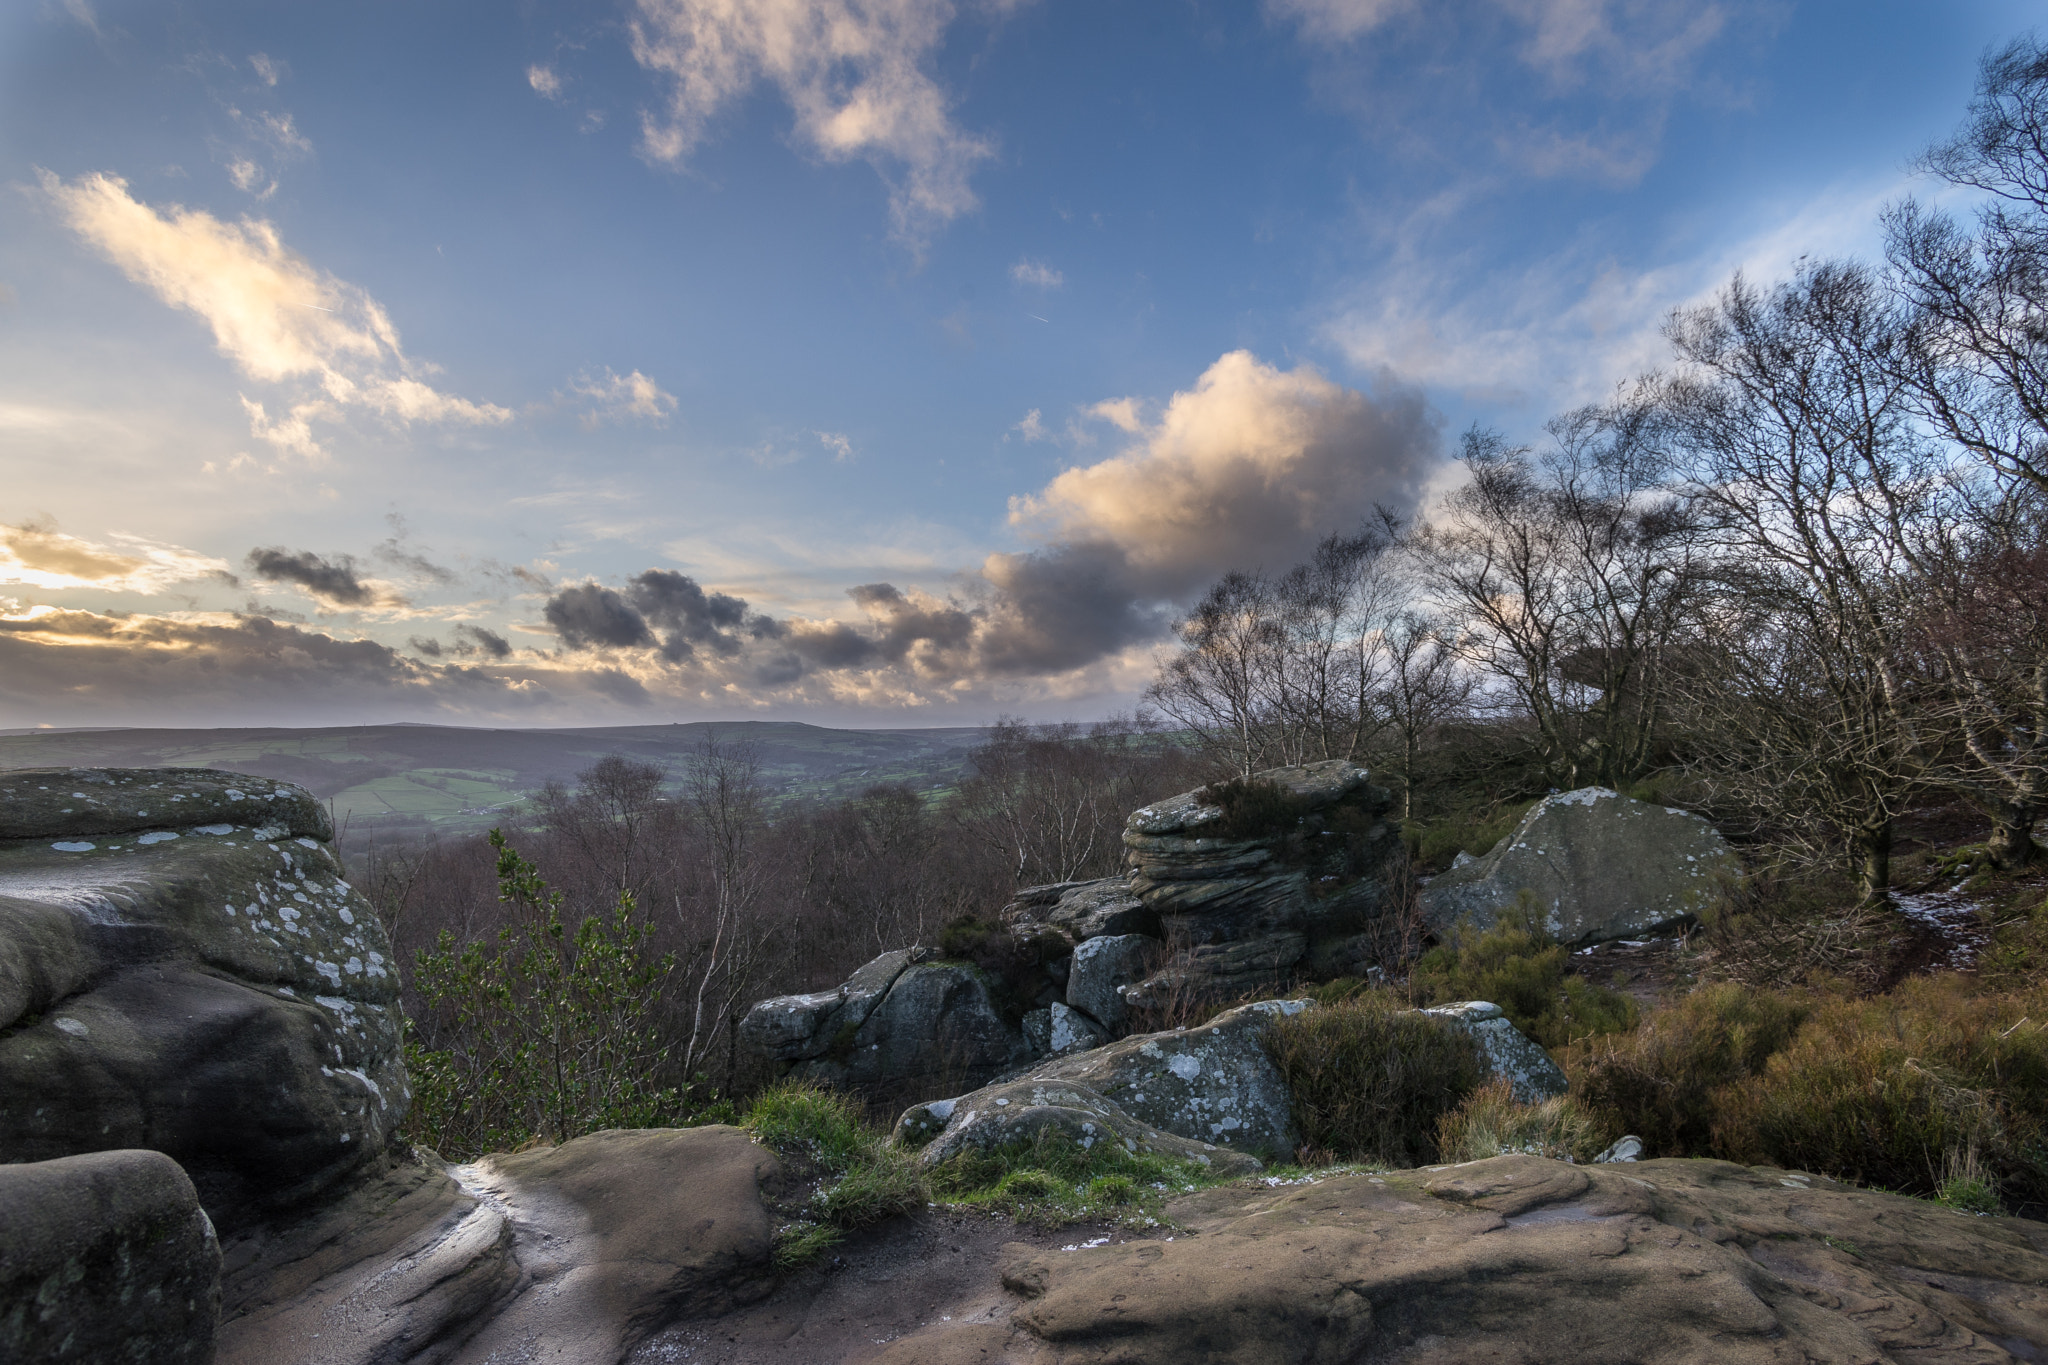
pixel 938 1024
pixel 1102 967
pixel 566 1254
pixel 1019 1111
pixel 1079 911
pixel 106 1259
pixel 1302 869
pixel 1056 1030
pixel 1505 1049
pixel 1599 866
pixel 184 968
pixel 789 1028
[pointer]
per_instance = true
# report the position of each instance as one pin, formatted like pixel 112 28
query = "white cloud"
pixel 268 69
pixel 619 397
pixel 544 81
pixel 1248 467
pixel 275 316
pixel 36 554
pixel 1032 428
pixel 1036 274
pixel 1121 413
pixel 840 445
pixel 248 177
pixel 853 71
pixel 82 11
pixel 1337 20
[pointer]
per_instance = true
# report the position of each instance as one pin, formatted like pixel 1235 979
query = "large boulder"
pixel 1598 865
pixel 938 1026
pixel 1296 865
pixel 1079 911
pixel 1505 1049
pixel 571 1254
pixel 788 1028
pixel 1102 967
pixel 106 1259
pixel 184 968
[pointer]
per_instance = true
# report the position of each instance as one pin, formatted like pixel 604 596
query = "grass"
pixel 1492 1123
pixel 1052 1180
pixel 860 1179
pixel 1371 1079
pixel 1518 966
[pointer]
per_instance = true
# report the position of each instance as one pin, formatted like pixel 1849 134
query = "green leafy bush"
pixel 550 1034
pixel 1491 1122
pixel 1518 966
pixel 1371 1079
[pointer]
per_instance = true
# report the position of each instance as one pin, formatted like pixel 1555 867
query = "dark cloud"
pixel 1064 607
pixel 391 552
pixel 333 581
pixel 483 641
pixel 591 616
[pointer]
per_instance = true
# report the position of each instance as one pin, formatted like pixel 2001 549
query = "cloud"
pixel 1032 428
pixel 268 69
pixel 36 554
pixel 1121 413
pixel 1036 275
pixel 544 81
pixel 278 319
pixel 838 443
pixel 854 72
pixel 471 641
pixel 332 581
pixel 618 398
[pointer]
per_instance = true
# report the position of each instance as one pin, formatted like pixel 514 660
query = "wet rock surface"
pixel 567 1254
pixel 106 1259
pixel 1598 865
pixel 184 968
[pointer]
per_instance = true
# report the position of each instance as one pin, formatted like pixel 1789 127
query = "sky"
pixel 865 362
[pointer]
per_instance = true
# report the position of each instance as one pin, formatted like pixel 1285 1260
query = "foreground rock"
pixel 183 968
pixel 1315 885
pixel 106 1258
pixel 1517 1260
pixel 1599 866
pixel 568 1254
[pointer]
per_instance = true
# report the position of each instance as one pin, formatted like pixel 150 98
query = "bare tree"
pixel 723 794
pixel 1571 571
pixel 608 818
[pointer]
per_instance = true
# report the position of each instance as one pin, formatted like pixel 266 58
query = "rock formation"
pixel 1505 1049
pixel 183 968
pixel 106 1259
pixel 1598 865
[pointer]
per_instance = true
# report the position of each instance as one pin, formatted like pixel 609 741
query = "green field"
pixel 415 778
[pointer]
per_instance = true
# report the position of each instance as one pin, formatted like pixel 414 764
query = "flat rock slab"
pixel 184 968
pixel 568 1255
pixel 106 1259
pixel 1598 865
pixel 1523 1261
pixel 1003 1115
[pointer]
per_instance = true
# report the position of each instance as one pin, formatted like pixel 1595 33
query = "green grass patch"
pixel 1052 1180
pixel 860 1178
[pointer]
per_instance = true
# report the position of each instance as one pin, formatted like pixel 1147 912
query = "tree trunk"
pixel 2012 836
pixel 1872 846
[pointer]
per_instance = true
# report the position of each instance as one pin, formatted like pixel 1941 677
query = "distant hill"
pixel 412 778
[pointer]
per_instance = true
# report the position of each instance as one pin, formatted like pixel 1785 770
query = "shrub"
pixel 1491 1122
pixel 1253 808
pixel 1017 965
pixel 1370 1079
pixel 1436 843
pixel 1660 1082
pixel 1895 1090
pixel 553 1033
pixel 1518 966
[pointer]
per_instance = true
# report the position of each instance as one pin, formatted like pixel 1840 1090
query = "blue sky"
pixel 864 361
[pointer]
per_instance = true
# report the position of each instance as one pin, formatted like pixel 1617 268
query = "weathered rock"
pixel 1079 911
pixel 186 970
pixel 937 1026
pixel 1599 866
pixel 1303 892
pixel 789 1028
pixel 1524 1261
pixel 569 1254
pixel 1215 1083
pixel 1102 968
pixel 1506 1050
pixel 1019 1111
pixel 106 1258
pixel 1056 1030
